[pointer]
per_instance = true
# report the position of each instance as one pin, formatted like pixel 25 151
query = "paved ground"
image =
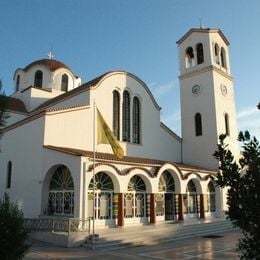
pixel 220 247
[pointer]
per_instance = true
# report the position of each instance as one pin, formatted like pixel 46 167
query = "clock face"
pixel 223 90
pixel 196 89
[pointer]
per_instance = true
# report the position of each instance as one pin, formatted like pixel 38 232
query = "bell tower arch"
pixel 207 96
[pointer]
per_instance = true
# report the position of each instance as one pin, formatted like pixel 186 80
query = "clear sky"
pixel 139 36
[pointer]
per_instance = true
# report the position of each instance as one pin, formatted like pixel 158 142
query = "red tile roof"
pixel 49 63
pixel 125 159
pixel 14 104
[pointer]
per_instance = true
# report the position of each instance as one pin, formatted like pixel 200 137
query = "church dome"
pixel 51 64
pixel 46 74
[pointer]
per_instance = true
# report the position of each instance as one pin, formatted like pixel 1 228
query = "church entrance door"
pixel 169 206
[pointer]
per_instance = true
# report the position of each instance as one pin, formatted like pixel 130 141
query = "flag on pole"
pixel 106 136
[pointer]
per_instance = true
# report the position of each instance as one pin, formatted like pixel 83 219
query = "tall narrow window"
pixel 223 58
pixel 200 54
pixel 38 79
pixel 216 53
pixel 136 120
pixel 126 116
pixel 61 192
pixel 116 114
pixel 64 82
pixel 198 125
pixel 9 175
pixel 189 57
pixel 17 83
pixel 227 130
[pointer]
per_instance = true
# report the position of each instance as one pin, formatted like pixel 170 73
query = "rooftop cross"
pixel 50 55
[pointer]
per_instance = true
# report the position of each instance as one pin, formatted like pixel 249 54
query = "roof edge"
pixel 203 30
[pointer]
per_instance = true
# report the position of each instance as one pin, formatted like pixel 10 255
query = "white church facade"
pixel 47 159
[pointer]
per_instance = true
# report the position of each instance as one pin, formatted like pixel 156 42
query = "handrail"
pixel 58 224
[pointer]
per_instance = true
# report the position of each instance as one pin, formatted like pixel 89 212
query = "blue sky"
pixel 139 36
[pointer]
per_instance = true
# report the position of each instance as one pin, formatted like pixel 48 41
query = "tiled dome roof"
pixel 51 64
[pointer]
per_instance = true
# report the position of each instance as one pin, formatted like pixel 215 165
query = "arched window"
pixel 38 79
pixel 191 186
pixel 104 189
pixel 166 182
pixel 116 114
pixel 9 175
pixel 135 199
pixel 189 57
pixel 227 129
pixel 165 199
pixel 102 182
pixel 64 82
pixel 211 198
pixel 216 53
pixel 200 54
pixel 136 183
pixel 198 124
pixel 17 83
pixel 136 120
pixel 223 58
pixel 61 192
pixel 126 116
pixel 190 199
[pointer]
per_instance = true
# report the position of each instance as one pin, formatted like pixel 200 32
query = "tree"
pixel 243 197
pixel 3 107
pixel 14 235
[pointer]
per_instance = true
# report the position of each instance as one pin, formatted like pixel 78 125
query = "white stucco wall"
pixel 23 147
pixel 74 128
pixel 210 102
pixel 14 117
pixel 50 79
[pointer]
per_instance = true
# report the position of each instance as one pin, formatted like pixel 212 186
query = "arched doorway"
pixel 135 201
pixel 165 199
pixel 61 193
pixel 210 202
pixel 103 190
pixel 191 200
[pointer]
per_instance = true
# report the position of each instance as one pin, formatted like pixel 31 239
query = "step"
pixel 164 233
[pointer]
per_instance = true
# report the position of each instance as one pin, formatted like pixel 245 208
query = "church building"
pixel 52 164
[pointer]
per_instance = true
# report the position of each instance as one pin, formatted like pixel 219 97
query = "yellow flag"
pixel 106 136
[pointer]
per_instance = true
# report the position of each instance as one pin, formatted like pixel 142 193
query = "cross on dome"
pixel 50 55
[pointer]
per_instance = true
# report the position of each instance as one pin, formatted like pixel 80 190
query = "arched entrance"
pixel 165 199
pixel 61 193
pixel 135 201
pixel 191 200
pixel 210 201
pixel 103 190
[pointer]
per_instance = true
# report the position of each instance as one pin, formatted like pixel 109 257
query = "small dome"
pixel 51 64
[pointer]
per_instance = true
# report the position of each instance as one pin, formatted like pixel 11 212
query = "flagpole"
pixel 94 181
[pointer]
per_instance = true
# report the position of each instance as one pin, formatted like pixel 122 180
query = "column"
pixel 120 220
pixel 202 211
pixel 152 209
pixel 180 207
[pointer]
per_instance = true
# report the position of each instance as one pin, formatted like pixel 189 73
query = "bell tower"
pixel 207 96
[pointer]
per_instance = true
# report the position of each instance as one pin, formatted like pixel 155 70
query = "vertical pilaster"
pixel 120 221
pixel 152 209
pixel 180 207
pixel 202 210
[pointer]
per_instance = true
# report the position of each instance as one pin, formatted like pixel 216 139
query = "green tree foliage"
pixel 13 234
pixel 3 106
pixel 243 198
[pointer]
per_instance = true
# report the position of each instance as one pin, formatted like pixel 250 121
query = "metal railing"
pixel 58 224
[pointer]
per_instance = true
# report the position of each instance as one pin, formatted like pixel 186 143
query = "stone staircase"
pixel 114 238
